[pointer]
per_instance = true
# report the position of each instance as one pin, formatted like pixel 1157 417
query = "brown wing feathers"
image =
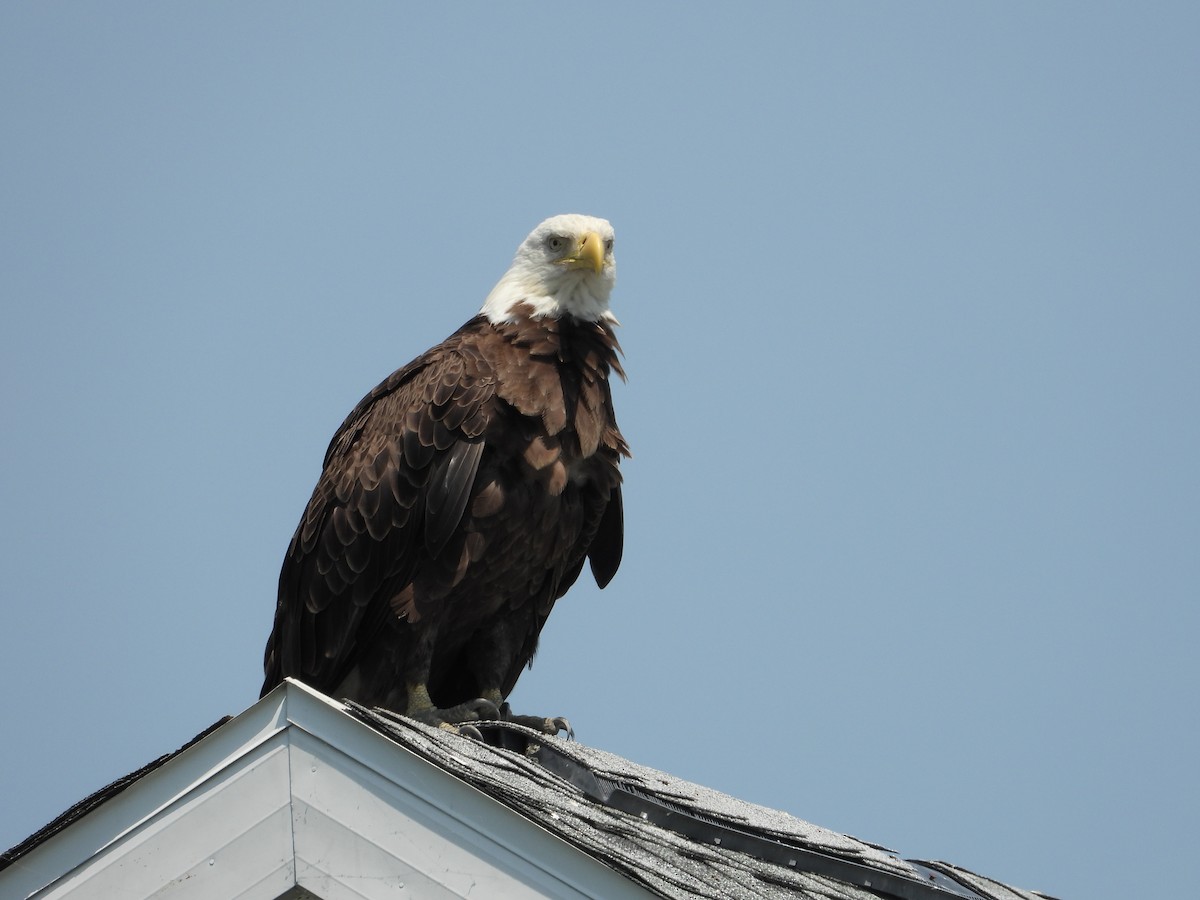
pixel 449 463
pixel 451 480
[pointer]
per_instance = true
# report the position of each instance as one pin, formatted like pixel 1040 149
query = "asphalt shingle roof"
pixel 663 859
pixel 675 838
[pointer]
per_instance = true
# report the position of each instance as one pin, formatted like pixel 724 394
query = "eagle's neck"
pixel 573 294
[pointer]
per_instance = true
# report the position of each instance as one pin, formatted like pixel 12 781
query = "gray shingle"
pixel 663 860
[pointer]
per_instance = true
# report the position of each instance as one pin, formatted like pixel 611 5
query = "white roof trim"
pixel 295 793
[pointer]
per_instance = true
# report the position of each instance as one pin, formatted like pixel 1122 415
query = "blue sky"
pixel 909 297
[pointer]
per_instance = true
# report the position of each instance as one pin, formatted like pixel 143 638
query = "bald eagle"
pixel 460 498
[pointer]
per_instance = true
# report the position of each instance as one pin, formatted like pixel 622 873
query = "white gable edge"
pixel 504 842
pixel 275 799
pixel 137 804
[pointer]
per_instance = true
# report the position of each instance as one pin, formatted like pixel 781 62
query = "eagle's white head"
pixel 564 268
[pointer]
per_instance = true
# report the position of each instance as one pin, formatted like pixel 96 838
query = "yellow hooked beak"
pixel 588 253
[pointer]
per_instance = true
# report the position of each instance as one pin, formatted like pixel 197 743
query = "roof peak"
pixel 526 813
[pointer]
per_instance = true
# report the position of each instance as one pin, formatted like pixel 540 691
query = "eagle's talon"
pixel 482 709
pixel 545 725
pixel 455 717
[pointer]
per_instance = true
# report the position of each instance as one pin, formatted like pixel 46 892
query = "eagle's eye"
pixel 608 245
pixel 555 243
